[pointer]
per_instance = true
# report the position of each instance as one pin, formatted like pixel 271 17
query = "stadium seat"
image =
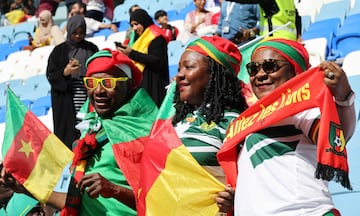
pixel 316 48
pixel 60 14
pixel 116 36
pixel 103 32
pixel 22 30
pixel 44 101
pixel 355 9
pixel 6 33
pixel 335 9
pixel 346 40
pixel 351 63
pixel 39 111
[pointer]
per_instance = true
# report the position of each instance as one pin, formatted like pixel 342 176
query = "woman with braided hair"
pixel 207 98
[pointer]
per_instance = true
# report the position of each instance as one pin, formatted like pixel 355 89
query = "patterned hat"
pixel 105 59
pixel 293 51
pixel 220 49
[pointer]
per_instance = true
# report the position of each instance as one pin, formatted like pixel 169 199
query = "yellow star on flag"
pixel 26 148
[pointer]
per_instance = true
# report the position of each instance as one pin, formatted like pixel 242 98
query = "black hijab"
pixel 142 17
pixel 73 23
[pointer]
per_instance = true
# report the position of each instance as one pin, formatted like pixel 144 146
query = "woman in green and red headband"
pixel 282 160
pixel 207 98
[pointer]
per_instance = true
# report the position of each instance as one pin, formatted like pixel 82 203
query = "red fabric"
pixel 215 18
pixel 16 161
pixel 310 91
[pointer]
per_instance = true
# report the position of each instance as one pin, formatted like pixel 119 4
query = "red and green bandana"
pixel 304 91
pixel 294 52
pixel 220 49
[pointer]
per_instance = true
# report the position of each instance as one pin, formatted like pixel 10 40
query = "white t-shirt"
pixel 276 171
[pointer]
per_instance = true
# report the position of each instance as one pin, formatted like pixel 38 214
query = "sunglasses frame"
pixel 100 80
pixel 275 62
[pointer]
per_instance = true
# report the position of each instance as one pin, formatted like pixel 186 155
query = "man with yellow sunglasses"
pixel 122 112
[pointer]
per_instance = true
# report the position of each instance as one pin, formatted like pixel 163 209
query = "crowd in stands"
pixel 99 45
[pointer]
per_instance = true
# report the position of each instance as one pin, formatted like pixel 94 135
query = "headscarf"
pixel 220 49
pixel 44 28
pixel 73 23
pixel 142 17
pixel 293 51
pixel 107 58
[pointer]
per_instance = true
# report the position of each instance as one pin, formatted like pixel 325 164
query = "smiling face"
pixel 193 77
pixel 263 83
pixel 106 102
pixel 137 27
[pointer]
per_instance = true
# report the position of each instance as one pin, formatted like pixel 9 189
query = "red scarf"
pixel 305 91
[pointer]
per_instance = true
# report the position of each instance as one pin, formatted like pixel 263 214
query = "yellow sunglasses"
pixel 107 83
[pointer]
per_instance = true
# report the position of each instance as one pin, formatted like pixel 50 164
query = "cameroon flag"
pixel 33 155
pixel 172 182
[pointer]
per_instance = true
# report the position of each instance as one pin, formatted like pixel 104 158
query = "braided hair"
pixel 223 92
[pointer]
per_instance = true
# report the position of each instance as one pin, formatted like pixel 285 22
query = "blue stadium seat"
pixel 6 33
pixel 173 69
pixel 103 32
pixel 39 111
pixel 352 19
pixel 346 40
pixel 22 30
pixel 336 9
pixel 2 114
pixel 44 101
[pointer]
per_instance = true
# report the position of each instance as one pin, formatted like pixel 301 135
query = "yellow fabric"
pixel 287 13
pixel 189 193
pixel 36 34
pixel 142 44
pixel 53 156
pixel 15 16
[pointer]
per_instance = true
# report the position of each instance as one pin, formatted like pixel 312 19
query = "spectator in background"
pixel 46 33
pixel 65 70
pixel 238 21
pixel 27 6
pixel 148 48
pixel 276 13
pixel 197 22
pixel 171 32
pixel 50 5
pixel 92 25
pixel 129 31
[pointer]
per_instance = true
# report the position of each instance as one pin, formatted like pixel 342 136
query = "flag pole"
pixel 257 39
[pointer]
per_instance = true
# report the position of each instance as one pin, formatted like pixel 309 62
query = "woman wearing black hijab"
pixel 148 49
pixel 66 67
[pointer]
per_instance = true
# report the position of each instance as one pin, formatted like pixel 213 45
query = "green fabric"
pixel 131 121
pixel 13 122
pixel 167 109
pixel 101 53
pixel 2 212
pixel 20 204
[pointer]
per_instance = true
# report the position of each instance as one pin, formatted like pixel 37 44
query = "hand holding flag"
pixel 33 155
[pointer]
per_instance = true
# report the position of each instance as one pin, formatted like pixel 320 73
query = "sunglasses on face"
pixel 107 83
pixel 269 66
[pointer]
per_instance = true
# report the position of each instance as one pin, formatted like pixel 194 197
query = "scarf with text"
pixel 304 91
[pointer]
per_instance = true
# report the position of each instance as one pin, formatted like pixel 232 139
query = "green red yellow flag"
pixel 172 181
pixel 306 90
pixel 32 153
pixel 143 42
